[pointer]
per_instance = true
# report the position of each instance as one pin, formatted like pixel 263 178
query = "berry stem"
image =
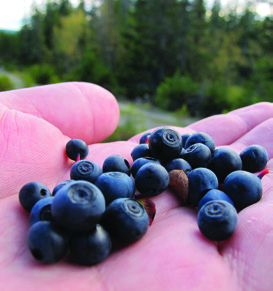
pixel 78 158
pixel 263 173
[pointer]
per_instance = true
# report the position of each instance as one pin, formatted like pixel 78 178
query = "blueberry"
pixel 151 179
pixel 244 188
pixel 78 206
pixel 254 158
pixel 223 162
pixel 178 164
pixel 201 180
pixel 197 155
pixel 126 220
pixel 46 242
pixel 217 220
pixel 32 192
pixel 92 247
pixel 201 137
pixel 144 138
pixel 85 170
pixel 115 185
pixel 41 210
pixel 165 144
pixel 116 163
pixel 214 194
pixel 184 139
pixel 140 151
pixel 76 148
pixel 59 186
pixel 138 163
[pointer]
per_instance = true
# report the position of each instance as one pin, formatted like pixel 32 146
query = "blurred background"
pixel 168 62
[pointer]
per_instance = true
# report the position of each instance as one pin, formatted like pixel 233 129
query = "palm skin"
pixel 35 125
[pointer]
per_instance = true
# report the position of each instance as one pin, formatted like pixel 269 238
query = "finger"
pixel 227 128
pixel 78 110
pixel 262 134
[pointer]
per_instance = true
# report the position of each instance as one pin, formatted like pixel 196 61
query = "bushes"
pixel 6 83
pixel 43 74
pixel 175 91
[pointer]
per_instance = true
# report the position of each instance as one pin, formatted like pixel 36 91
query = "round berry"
pixel 46 242
pixel 254 158
pixel 116 163
pixel 138 163
pixel 115 185
pixel 78 206
pixel 85 170
pixel 178 164
pixel 32 192
pixel 201 180
pixel 92 247
pixel 126 220
pixel 140 151
pixel 59 186
pixel 201 137
pixel 151 179
pixel 197 155
pixel 244 188
pixel 223 162
pixel 76 148
pixel 214 194
pixel 165 144
pixel 217 220
pixel 41 210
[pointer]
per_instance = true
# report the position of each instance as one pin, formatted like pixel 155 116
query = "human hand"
pixel 35 125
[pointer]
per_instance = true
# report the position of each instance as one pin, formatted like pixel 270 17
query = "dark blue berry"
pixel 115 185
pixel 78 206
pixel 201 180
pixel 178 164
pixel 140 151
pixel 92 247
pixel 165 144
pixel 126 220
pixel 254 158
pixel 59 186
pixel 201 137
pixel 116 163
pixel 244 188
pixel 184 139
pixel 41 210
pixel 197 155
pixel 85 170
pixel 138 163
pixel 32 192
pixel 217 220
pixel 151 179
pixel 144 138
pixel 76 148
pixel 223 162
pixel 214 194
pixel 46 242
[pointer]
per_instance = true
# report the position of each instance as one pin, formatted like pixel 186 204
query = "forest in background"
pixel 175 54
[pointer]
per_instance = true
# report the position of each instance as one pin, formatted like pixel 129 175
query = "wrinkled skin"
pixel 35 125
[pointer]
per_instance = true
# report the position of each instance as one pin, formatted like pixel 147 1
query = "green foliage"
pixel 175 91
pixel 6 83
pixel 43 74
pixel 173 53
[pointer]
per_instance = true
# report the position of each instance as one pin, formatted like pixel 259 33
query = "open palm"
pixel 35 125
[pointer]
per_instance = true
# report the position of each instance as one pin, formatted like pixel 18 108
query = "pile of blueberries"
pixel 102 207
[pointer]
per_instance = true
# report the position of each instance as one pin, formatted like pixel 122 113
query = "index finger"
pixel 78 110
